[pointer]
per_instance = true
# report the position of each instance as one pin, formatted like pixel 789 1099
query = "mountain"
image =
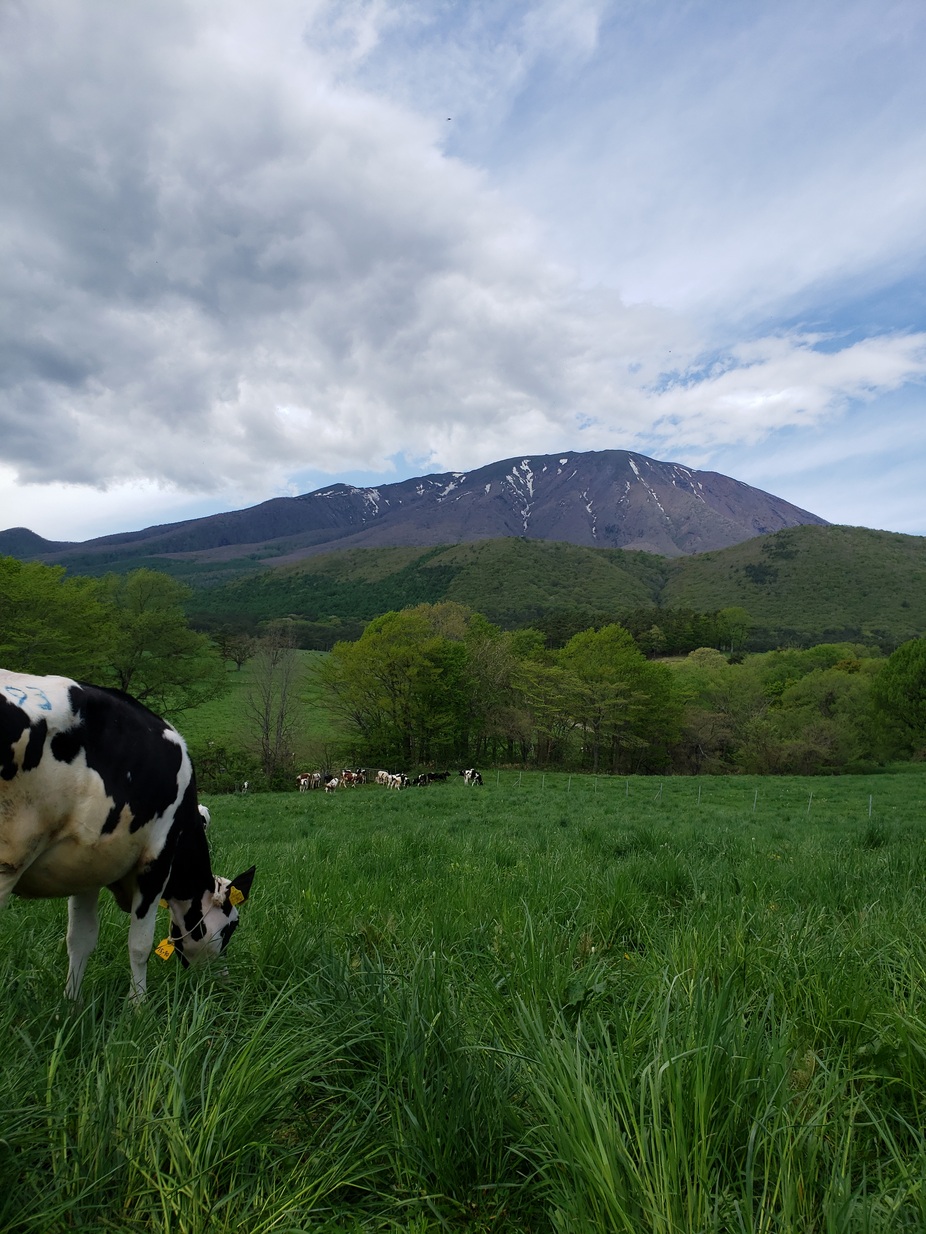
pixel 597 499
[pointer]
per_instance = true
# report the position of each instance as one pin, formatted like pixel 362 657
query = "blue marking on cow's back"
pixel 19 696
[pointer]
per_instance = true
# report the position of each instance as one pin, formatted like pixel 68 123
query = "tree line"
pixel 127 631
pixel 438 684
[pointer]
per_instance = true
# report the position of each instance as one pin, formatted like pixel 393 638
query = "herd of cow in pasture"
pixel 350 777
pixel 96 792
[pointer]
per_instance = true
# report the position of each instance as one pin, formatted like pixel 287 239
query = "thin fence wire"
pixel 717 792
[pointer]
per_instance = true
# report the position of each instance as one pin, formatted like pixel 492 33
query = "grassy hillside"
pixel 510 581
pixel 819 580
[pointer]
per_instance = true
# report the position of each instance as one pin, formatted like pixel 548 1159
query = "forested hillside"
pixel 801 585
pixel 511 581
pixel 821 581
pixel 437 684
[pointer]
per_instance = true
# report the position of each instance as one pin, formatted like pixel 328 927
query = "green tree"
pixel 234 645
pixel 550 697
pixel 155 656
pixel 899 696
pixel 792 711
pixel 718 700
pixel 822 720
pixel 401 689
pixel 625 703
pixel 50 623
pixel 733 626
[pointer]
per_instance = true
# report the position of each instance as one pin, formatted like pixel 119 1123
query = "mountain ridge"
pixel 597 499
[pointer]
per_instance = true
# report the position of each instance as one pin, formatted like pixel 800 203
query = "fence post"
pixel 809 801
pixel 755 801
pixel 543 780
pixel 869 805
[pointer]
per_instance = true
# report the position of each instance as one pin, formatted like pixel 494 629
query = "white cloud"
pixel 238 250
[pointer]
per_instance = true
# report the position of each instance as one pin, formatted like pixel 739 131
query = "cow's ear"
pixel 240 887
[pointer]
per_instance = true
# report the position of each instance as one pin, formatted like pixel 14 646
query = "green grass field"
pixel 549 1004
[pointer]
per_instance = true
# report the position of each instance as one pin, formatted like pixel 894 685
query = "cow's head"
pixel 200 929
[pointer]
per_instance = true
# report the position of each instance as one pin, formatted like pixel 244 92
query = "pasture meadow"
pixel 550 1004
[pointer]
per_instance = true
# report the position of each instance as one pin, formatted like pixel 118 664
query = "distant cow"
pixel 471 776
pixel 96 791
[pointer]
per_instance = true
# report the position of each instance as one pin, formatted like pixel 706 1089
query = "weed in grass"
pixel 875 835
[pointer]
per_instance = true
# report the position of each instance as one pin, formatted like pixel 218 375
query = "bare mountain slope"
pixel 604 499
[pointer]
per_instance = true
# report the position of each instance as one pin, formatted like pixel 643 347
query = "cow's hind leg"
pixel 83 931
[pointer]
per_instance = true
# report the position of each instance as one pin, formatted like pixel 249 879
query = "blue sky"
pixel 250 250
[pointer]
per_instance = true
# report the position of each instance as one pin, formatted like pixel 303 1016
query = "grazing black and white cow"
pixel 96 791
pixel 471 776
pixel 431 777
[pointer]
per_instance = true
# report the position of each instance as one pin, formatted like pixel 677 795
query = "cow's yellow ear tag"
pixel 164 949
pixel 162 903
pixel 235 896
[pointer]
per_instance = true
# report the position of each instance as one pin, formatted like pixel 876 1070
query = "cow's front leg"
pixel 8 880
pixel 83 931
pixel 141 937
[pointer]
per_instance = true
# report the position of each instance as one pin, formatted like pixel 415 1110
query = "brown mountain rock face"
pixel 600 499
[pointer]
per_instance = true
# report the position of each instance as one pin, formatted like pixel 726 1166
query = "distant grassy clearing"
pixel 225 719
pixel 553 1005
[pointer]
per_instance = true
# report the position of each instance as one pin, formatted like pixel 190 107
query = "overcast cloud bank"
pixel 250 250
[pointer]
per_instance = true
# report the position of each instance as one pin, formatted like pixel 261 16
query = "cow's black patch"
pixel 194 926
pixel 66 746
pixel 190 868
pixel 126 745
pixel 152 880
pixel 13 723
pixel 35 745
